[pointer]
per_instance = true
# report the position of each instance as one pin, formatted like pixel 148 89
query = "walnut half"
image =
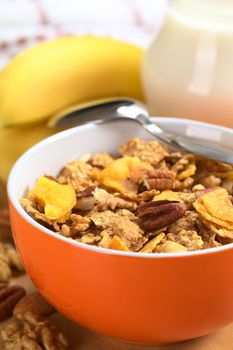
pixel 32 332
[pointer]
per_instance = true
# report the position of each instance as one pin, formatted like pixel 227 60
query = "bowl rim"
pixel 82 128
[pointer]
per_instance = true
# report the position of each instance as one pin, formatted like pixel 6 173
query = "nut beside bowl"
pixel 141 298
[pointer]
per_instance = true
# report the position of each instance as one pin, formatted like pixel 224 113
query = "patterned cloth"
pixel 23 23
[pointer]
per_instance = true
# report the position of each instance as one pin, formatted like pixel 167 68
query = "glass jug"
pixel 187 71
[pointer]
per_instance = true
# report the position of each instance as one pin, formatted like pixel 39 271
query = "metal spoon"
pixel 107 110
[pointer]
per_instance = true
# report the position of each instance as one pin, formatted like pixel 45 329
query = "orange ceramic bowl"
pixel 140 298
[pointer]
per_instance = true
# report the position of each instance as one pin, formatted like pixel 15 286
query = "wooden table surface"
pixel 83 339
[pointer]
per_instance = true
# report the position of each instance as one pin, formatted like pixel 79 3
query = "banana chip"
pixel 189 171
pixel 167 195
pixel 123 174
pixel 202 210
pixel 220 231
pixel 57 199
pixel 215 206
pixel 150 246
pixel 117 243
pixel 218 204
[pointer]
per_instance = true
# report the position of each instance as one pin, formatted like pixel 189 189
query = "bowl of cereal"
pixel 124 236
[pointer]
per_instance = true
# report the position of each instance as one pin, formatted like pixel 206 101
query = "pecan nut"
pixel 159 179
pixel 159 214
pixel 3 285
pixel 9 297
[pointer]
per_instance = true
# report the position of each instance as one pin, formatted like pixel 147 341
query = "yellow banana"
pixel 16 140
pixel 55 75
pixel 59 73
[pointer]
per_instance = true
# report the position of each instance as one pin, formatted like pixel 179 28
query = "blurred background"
pixel 26 22
pixel 186 73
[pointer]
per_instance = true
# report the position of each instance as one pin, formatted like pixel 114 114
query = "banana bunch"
pixel 55 75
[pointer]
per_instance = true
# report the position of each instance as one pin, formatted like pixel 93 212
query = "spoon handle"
pixel 153 129
pixel 187 144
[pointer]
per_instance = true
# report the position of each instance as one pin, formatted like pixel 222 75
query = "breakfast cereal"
pixel 147 200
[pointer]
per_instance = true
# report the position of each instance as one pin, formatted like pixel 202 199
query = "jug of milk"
pixel 187 71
